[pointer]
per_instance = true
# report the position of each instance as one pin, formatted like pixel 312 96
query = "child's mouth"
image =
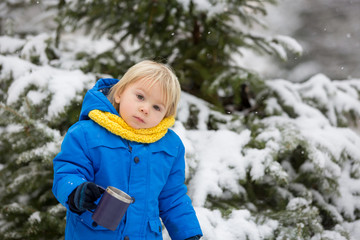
pixel 139 119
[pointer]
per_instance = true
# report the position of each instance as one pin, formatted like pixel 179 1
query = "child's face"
pixel 141 107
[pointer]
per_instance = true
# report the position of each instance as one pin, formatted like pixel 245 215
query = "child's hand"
pixel 84 196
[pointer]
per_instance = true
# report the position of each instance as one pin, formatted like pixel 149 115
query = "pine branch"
pixel 27 121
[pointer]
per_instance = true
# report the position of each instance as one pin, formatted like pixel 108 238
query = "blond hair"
pixel 151 72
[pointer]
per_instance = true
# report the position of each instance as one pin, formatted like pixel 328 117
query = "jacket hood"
pixel 96 98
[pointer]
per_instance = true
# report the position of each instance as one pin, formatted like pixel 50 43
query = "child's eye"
pixel 140 97
pixel 157 108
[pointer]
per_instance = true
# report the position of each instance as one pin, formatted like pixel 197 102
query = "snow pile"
pixel 10 48
pixel 238 225
pixel 61 85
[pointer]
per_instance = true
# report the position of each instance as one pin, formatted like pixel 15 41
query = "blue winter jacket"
pixel 151 173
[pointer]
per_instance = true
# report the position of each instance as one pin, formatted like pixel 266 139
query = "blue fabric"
pixel 91 153
pixel 194 238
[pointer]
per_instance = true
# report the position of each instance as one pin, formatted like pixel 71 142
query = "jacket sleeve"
pixel 72 166
pixel 176 210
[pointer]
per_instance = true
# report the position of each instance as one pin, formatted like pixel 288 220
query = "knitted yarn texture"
pixel 118 126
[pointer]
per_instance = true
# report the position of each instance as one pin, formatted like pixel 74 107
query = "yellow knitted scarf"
pixel 118 126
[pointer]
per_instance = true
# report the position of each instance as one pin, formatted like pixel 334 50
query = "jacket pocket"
pixel 86 219
pixel 156 227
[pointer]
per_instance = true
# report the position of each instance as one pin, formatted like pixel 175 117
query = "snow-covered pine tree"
pixel 200 39
pixel 286 170
pixel 37 105
pixel 289 170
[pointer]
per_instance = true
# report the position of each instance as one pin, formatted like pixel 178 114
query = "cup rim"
pixel 117 193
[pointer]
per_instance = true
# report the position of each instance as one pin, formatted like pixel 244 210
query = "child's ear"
pixel 117 98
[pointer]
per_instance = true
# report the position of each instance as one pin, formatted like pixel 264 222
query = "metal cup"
pixel 111 208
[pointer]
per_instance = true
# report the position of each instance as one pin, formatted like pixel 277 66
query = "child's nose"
pixel 144 109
